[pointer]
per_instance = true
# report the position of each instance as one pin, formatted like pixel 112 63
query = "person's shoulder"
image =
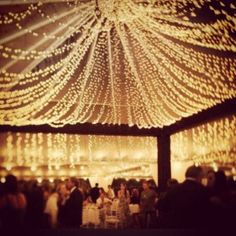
pixel 194 186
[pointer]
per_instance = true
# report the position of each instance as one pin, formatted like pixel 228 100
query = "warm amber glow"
pixel 148 63
pixel 62 155
pixel 212 144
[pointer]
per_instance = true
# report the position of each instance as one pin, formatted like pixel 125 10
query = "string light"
pixel 78 155
pixel 211 144
pixel 147 63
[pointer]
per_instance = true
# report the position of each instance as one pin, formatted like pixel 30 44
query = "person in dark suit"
pixel 94 193
pixel 186 205
pixel 73 206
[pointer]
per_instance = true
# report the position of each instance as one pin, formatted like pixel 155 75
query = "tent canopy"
pixel 145 63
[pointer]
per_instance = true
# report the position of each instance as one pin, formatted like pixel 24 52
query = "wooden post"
pixel 164 162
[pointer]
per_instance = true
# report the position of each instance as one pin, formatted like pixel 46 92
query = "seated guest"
pixel 103 200
pixel 186 205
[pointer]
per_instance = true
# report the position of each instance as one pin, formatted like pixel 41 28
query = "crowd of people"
pixel 189 204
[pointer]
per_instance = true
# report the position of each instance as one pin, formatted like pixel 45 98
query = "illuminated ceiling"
pixel 144 63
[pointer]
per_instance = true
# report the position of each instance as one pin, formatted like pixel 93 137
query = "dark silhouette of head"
pixel 211 177
pixel 11 185
pixel 220 181
pixel 72 182
pixel 194 172
pixel 172 183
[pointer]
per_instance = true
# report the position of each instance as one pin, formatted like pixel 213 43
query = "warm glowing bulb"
pixel 3 180
pixel 8 167
pixel 57 167
pixel 215 167
pixel 233 170
pixel 33 168
pixel 40 180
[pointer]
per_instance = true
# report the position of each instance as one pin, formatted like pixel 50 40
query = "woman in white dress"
pixel 124 200
pixel 51 208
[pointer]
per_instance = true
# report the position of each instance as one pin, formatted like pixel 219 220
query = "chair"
pixel 112 216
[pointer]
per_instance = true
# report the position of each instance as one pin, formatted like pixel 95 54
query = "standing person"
pixel 73 206
pixel 51 208
pixel 134 207
pixel 12 204
pixel 186 205
pixel 124 200
pixel 110 192
pixel 104 205
pixel 35 206
pixel 94 193
pixel 62 198
pixel 222 201
pixel 147 205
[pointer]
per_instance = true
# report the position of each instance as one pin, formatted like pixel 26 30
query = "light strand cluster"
pixel 40 154
pixel 212 144
pixel 145 63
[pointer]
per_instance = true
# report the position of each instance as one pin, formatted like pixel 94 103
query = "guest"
pixel 35 206
pixel 103 200
pixel 171 183
pixel 134 207
pixel 147 205
pixel 211 178
pixel 73 206
pixel 134 197
pixel 124 200
pixel 222 201
pixel 110 192
pixel 210 184
pixel 94 193
pixel 12 204
pixel 88 201
pixel 51 208
pixel 186 205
